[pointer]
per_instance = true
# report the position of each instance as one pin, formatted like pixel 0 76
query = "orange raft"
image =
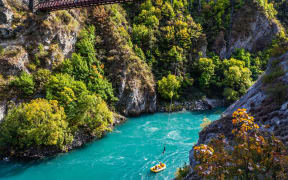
pixel 158 167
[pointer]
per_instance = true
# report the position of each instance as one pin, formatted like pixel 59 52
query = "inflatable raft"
pixel 158 167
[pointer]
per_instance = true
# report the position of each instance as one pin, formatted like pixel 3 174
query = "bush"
pixel 253 154
pixel 25 84
pixel 276 73
pixel 94 114
pixel 41 77
pixel 206 67
pixel 182 172
pixel 35 124
pixel 85 67
pixel 168 87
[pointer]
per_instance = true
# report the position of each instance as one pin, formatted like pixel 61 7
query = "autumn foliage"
pixel 253 154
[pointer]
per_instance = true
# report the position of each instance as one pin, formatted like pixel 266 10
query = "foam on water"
pixel 126 153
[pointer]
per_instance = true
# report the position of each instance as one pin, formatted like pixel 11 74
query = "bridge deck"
pixel 67 4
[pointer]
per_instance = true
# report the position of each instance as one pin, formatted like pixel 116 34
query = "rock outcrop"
pixel 13 60
pixel 251 30
pixel 130 76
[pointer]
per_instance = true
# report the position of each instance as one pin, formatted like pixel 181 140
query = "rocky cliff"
pixel 251 30
pixel 26 38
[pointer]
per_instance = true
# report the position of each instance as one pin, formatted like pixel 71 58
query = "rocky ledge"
pixel 192 105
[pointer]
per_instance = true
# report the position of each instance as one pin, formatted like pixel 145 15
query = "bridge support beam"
pixel 32 4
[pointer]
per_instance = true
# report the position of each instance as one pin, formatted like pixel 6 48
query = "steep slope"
pixel 267 99
pixel 251 30
pixel 130 75
pixel 50 38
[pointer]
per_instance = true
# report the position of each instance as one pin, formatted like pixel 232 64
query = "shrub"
pixel 66 91
pixel 206 67
pixel 35 124
pixel 85 67
pixel 168 87
pixel 94 114
pixel 272 76
pixel 182 172
pixel 25 84
pixel 253 154
pixel 41 77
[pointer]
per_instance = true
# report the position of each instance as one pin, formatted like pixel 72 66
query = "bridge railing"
pixel 65 4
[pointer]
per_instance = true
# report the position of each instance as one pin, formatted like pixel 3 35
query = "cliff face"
pixel 267 99
pixel 25 36
pixel 251 30
pixel 130 76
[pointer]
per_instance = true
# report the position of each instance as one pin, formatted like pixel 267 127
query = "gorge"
pixel 69 77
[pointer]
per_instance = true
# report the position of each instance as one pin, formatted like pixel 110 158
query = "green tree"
pixel 85 67
pixel 94 114
pixel 237 78
pixel 206 68
pixel 35 124
pixel 168 87
pixel 25 84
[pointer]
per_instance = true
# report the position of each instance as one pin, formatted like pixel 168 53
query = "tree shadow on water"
pixel 14 168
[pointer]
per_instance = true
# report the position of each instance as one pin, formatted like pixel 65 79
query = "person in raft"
pixel 161 164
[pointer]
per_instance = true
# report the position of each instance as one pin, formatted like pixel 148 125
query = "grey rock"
pixel 3 110
pixel 6 15
pixel 251 32
pixel 214 103
pixel 6 33
pixel 13 61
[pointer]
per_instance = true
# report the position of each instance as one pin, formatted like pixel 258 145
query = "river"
pixel 126 153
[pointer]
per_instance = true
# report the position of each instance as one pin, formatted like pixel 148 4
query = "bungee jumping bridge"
pixel 52 5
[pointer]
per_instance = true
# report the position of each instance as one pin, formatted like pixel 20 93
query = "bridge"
pixel 52 5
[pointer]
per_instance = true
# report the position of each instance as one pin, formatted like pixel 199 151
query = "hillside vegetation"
pixel 69 72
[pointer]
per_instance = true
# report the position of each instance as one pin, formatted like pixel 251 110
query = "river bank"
pixel 126 153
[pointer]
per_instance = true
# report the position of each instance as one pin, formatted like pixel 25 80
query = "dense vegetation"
pixel 166 37
pixel 37 123
pixel 75 95
pixel 254 153
pixel 169 37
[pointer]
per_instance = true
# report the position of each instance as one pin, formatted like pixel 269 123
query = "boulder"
pixel 13 60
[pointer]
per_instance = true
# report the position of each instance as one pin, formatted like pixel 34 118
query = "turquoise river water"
pixel 126 153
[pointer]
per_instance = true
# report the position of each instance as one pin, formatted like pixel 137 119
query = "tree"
pixel 84 66
pixel 237 78
pixel 94 114
pixel 35 124
pixel 168 87
pixel 206 68
pixel 24 83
